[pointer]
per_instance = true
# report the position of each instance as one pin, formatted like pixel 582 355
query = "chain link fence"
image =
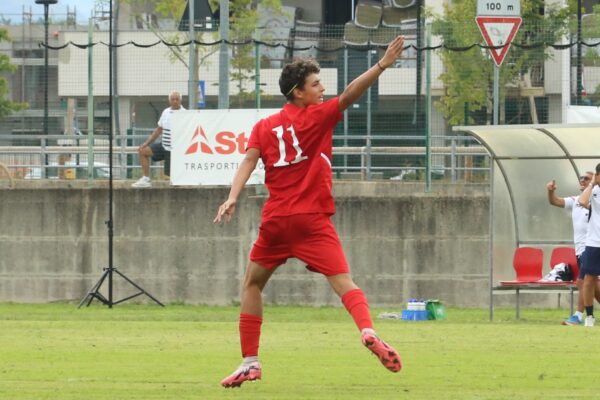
pixel 399 130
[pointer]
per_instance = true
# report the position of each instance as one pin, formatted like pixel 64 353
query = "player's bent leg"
pixel 353 298
pixel 255 279
pixel 341 283
pixel 245 373
pixel 355 302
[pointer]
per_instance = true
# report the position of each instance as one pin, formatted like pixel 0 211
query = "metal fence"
pixel 443 79
pixel 68 157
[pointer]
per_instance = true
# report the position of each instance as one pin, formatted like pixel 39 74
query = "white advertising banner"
pixel 207 146
pixel 582 114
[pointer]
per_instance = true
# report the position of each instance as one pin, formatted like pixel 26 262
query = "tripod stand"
pixel 107 276
pixel 94 292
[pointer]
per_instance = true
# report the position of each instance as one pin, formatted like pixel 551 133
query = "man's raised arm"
pixel 358 86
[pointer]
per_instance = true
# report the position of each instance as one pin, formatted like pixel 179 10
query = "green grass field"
pixel 56 351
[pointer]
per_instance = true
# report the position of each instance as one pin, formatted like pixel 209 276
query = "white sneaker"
pixel 143 182
pixel 590 321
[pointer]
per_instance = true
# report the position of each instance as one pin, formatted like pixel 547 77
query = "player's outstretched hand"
pixel 225 212
pixel 393 51
pixel 551 186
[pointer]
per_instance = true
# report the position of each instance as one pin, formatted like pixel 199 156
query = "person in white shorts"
pixel 159 151
pixel 579 217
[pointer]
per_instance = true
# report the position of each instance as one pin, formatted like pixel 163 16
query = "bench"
pixel 528 263
pixel 538 287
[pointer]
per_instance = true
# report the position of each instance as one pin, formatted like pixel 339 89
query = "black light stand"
pixel 94 292
pixel 46 4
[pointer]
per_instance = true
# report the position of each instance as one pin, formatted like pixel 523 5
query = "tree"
pixel 242 24
pixel 468 75
pixel 590 33
pixel 7 107
pixel 169 9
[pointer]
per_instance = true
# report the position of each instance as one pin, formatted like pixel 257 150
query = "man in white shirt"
pixel 159 151
pixel 579 217
pixel 590 198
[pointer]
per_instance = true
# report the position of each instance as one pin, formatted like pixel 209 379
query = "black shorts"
pixel 591 261
pixel 159 154
pixel 580 265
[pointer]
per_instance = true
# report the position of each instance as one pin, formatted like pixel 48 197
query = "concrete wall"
pixel 400 243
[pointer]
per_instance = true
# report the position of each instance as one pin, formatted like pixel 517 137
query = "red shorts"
pixel 311 238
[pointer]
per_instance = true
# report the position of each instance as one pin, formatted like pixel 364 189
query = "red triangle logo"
pixel 203 141
pixel 498 31
pixel 192 149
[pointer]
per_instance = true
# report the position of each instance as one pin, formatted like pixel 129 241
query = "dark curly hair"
pixel 294 75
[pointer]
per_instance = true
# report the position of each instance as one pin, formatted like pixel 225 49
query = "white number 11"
pixel 278 130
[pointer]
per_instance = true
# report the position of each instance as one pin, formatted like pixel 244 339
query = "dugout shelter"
pixel 523 159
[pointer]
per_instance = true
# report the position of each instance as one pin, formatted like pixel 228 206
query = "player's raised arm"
pixel 359 85
pixel 552 197
pixel 248 164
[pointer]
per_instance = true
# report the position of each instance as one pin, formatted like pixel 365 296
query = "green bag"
pixel 435 310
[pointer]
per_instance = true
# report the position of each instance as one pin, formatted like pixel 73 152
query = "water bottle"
pixel 408 314
pixel 421 307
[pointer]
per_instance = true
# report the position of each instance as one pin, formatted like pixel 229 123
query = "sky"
pixel 13 9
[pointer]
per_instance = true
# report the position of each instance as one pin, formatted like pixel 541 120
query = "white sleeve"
pixel 163 116
pixel 569 202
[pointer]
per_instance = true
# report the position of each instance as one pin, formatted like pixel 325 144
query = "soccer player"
pixel 590 198
pixel 295 146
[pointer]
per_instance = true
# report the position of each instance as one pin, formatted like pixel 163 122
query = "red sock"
pixel 250 334
pixel 356 303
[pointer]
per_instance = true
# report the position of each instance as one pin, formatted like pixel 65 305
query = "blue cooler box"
pixel 414 315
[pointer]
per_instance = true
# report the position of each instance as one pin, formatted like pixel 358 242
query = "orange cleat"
pixel 386 354
pixel 251 372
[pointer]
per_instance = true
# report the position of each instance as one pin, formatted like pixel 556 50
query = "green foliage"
pixel 167 9
pixel 7 107
pixel 170 7
pixel 590 23
pixel 243 23
pixel 590 33
pixel 242 26
pixel 468 75
pixel 591 58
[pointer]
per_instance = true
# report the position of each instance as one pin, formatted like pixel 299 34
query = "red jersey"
pixel 296 148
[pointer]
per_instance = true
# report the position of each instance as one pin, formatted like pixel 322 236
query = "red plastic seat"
pixel 528 263
pixel 565 255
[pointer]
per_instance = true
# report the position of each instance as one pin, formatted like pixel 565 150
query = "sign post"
pixel 498 22
pixel 201 94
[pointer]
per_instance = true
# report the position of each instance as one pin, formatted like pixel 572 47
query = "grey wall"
pixel 400 243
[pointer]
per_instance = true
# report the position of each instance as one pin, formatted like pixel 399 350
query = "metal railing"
pixel 67 156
